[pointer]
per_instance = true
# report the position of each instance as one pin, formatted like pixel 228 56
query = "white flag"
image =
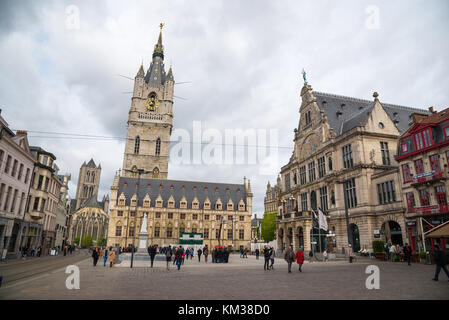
pixel 322 221
pixel 314 214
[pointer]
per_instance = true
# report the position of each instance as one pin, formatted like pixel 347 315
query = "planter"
pixel 380 255
pixel 414 258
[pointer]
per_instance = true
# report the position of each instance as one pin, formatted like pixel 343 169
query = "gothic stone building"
pixel 172 206
pixel 423 156
pixel 343 145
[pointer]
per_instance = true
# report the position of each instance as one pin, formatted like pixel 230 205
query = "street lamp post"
pixel 345 196
pixel 139 172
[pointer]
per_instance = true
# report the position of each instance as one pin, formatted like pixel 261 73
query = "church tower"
pixel 88 182
pixel 150 119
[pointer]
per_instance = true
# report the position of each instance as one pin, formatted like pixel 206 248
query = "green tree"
pixel 268 226
pixel 76 241
pixel 86 241
pixel 101 241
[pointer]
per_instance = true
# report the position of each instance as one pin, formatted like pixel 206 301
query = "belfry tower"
pixel 150 119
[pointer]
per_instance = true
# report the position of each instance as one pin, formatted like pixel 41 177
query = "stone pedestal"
pixel 143 243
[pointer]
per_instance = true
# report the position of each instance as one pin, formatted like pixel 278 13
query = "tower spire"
pixel 159 48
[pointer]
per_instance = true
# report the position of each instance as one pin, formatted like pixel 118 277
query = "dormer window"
pixel 195 205
pixel 121 202
pixel 423 139
pixel 230 206
pixel 159 203
pixel 171 204
pixel 218 206
pixel 183 205
pixel 242 207
pixel 404 147
pixel 146 203
pixel 206 205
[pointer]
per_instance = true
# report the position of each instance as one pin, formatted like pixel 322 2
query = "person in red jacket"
pixel 300 258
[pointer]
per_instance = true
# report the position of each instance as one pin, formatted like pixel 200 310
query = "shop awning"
pixel 442 231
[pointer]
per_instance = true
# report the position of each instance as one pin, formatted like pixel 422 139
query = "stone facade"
pixel 16 167
pixel 63 212
pixel 221 212
pixel 343 143
pixel 174 207
pixel 150 120
pixel 88 183
pixel 43 201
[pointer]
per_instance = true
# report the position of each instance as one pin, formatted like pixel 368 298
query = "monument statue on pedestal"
pixel 143 236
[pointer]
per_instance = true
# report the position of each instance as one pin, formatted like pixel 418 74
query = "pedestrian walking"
pixel 440 262
pixel 289 256
pixel 105 256
pixel 266 255
pixel 387 251
pixel 300 258
pixel 168 255
pixel 111 257
pixel 350 253
pixel 257 254
pixel 181 255
pixel 393 253
pixel 272 259
pixel 174 252
pixel 407 253
pixel 39 251
pixel 152 253
pixel 310 256
pixel 205 253
pixel 325 255
pixel 95 256
pixel 199 252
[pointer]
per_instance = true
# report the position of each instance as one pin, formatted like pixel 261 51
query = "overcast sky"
pixel 243 60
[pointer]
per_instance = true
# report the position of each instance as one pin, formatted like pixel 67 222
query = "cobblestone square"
pixel 239 279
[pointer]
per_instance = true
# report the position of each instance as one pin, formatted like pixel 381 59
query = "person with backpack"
pixel 266 254
pixel 168 255
pixel 272 258
pixel 440 262
pixel 289 256
pixel 180 254
pixel 407 253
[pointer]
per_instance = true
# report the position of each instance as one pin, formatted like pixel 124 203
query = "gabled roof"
pixel 91 164
pixel 432 119
pixel 352 113
pixel 92 202
pixel 174 188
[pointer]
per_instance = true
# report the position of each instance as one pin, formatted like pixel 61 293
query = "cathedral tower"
pixel 150 119
pixel 88 182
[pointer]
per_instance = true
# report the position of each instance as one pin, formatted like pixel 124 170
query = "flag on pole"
pixel 322 221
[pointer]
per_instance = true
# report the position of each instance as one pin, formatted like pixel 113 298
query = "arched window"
pixel 93 176
pixel 134 172
pixel 88 176
pixel 158 146
pixel 137 145
pixel 155 173
pixel 85 191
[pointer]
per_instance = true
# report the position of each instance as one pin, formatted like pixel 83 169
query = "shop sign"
pixel 376 233
pixel 425 174
pixel 411 223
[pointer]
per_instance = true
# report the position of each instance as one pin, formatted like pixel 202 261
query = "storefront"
pixel 439 236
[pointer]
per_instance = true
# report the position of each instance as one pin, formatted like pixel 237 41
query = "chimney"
pixel 21 133
pixel 417 117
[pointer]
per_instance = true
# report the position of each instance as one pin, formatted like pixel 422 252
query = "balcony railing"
pixel 429 177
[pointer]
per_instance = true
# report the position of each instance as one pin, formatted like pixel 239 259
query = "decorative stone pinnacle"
pixel 375 95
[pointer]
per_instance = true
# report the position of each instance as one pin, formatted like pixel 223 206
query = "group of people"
pixel 243 252
pixel 397 253
pixel 31 252
pixel 290 257
pixel 268 253
pixel 108 255
pixel 220 255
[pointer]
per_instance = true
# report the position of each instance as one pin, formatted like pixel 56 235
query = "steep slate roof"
pixel 355 112
pixel 92 202
pixel 177 192
pixel 91 164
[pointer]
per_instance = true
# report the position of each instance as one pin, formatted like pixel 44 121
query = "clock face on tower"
pixel 152 103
